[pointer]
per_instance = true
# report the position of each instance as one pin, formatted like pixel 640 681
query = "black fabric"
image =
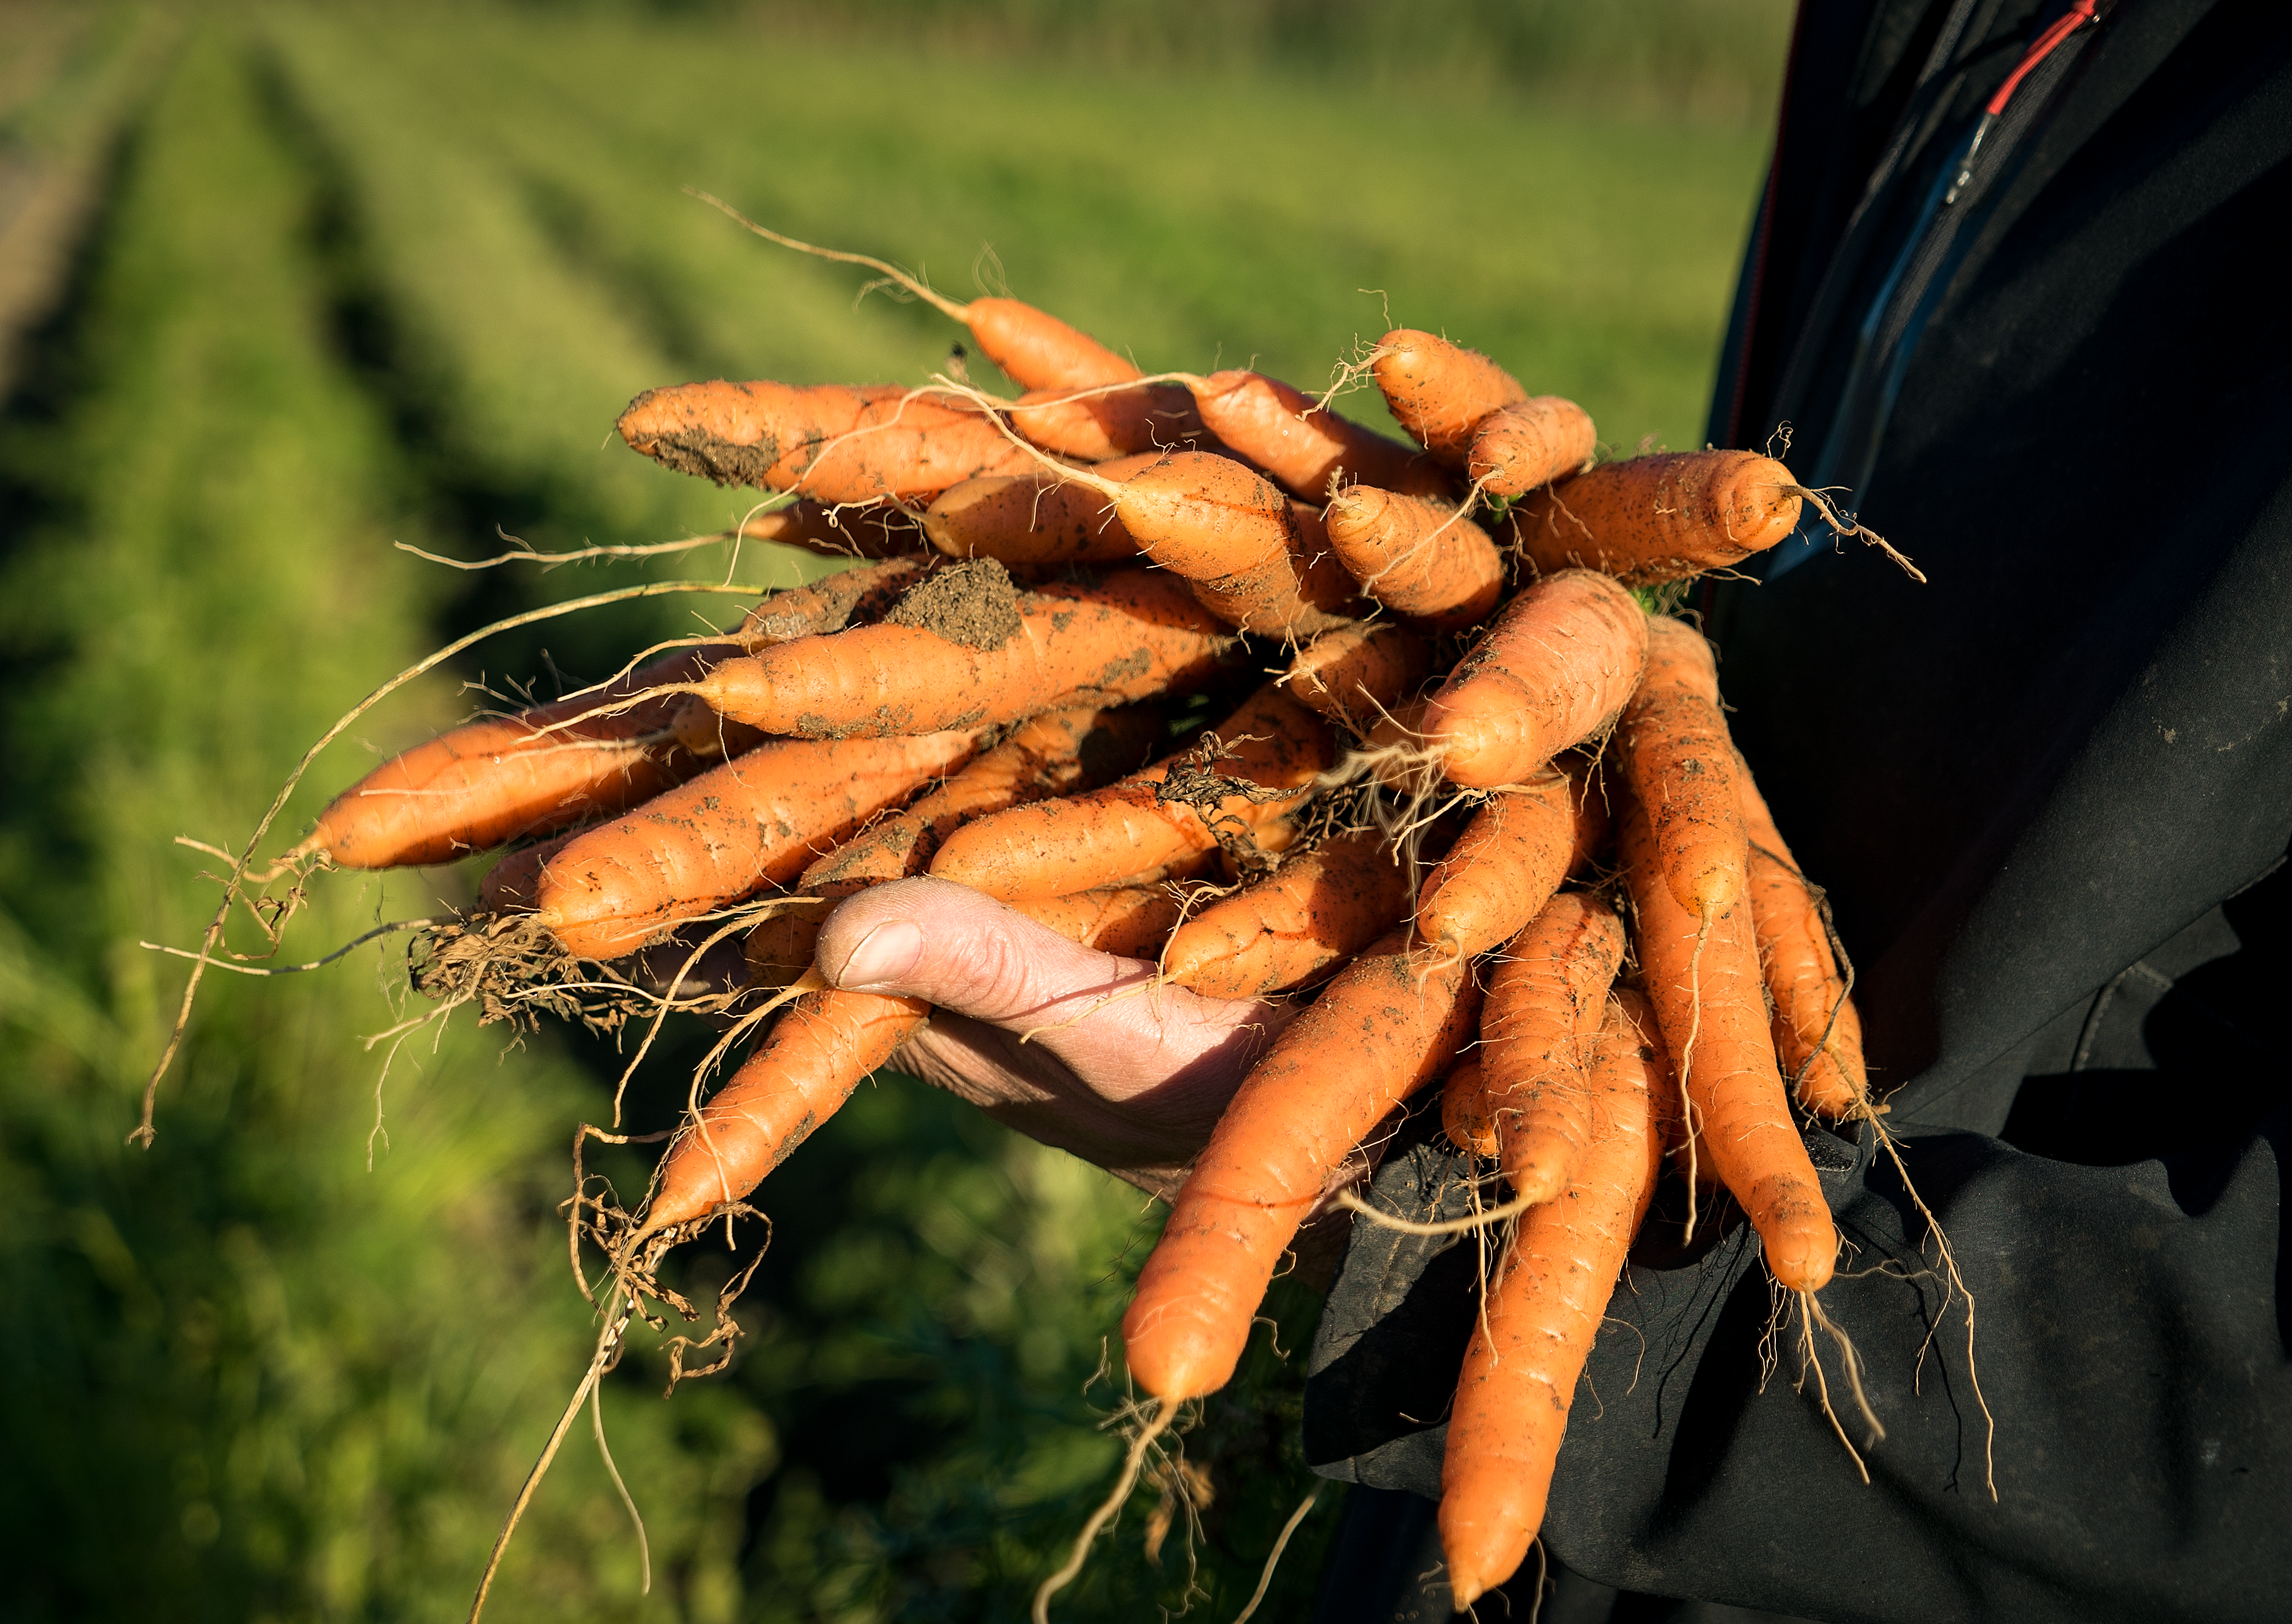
pixel 2043 791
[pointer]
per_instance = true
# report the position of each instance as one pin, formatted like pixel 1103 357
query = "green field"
pixel 325 278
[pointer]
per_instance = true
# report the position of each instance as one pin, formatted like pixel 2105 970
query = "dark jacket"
pixel 2046 791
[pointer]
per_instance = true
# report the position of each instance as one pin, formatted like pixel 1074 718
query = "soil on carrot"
pixel 711 456
pixel 974 603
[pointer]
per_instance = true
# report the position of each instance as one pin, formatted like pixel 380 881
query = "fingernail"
pixel 884 954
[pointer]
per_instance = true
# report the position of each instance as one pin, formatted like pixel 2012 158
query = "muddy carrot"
pixel 1304 445
pixel 1546 1000
pixel 1420 558
pixel 1818 1033
pixel 1354 675
pixel 1680 764
pixel 1510 861
pixel 1529 443
pixel 1314 913
pixel 1438 392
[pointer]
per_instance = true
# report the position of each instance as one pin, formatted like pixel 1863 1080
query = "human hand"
pixel 1076 1049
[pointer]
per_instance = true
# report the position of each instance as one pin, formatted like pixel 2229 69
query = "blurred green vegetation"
pixel 359 276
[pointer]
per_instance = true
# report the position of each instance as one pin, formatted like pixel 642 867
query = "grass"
pixel 365 276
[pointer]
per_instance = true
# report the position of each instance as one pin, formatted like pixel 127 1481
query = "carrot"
pixel 1179 806
pixel 1317 911
pixel 1544 1002
pixel 1100 423
pixel 1313 592
pixel 1389 1024
pixel 1529 443
pixel 833 442
pixel 1421 559
pixel 1036 350
pixel 1353 674
pixel 509 885
pixel 870 530
pixel 1510 860
pixel 974 654
pixel 807 1066
pixel 758 819
pixel 1465 1114
pixel 1713 1010
pixel 1303 444
pixel 1526 1354
pixel 1054 754
pixel 502 778
pixel 1661 518
pixel 1818 1034
pixel 856 596
pixel 1555 666
pixel 1034 519
pixel 1684 769
pixel 1439 392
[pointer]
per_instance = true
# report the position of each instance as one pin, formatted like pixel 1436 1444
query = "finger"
pixel 1127 1040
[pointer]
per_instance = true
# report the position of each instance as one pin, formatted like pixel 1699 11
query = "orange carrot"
pixel 1179 806
pixel 1054 754
pixel 1818 1034
pixel 831 441
pixel 1304 445
pixel 1388 1024
pixel 1555 669
pixel 1684 769
pixel 1544 1002
pixel 1529 443
pixel 1034 519
pixel 1465 1114
pixel 971 656
pixel 1712 1009
pixel 757 819
pixel 1313 592
pixel 1439 392
pixel 1661 518
pixel 1353 675
pixel 870 530
pixel 1510 860
pixel 1421 558
pixel 1528 1351
pixel 1097 426
pixel 502 778
pixel 1317 911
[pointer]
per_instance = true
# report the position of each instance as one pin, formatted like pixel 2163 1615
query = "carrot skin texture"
pixel 1133 635
pixel 509 885
pixel 1555 666
pixel 1315 912
pixel 1231 533
pixel 1388 1024
pixel 1659 518
pixel 501 778
pixel 1038 350
pixel 832 442
pixel 1683 768
pixel 1353 675
pixel 1098 427
pixel 1440 392
pixel 1420 558
pixel 1465 1114
pixel 758 819
pixel 1822 1052
pixel 1302 445
pixel 1545 1001
pixel 1529 443
pixel 1510 861
pixel 1113 836
pixel 1525 1358
pixel 1741 1118
pixel 1034 519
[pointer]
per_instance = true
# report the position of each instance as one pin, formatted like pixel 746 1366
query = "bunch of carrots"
pixel 1487 817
